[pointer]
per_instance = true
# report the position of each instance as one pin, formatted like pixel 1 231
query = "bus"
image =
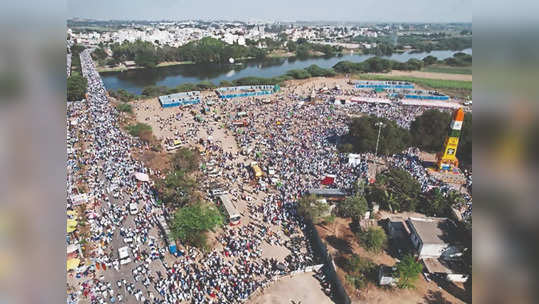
pixel 232 214
pixel 256 169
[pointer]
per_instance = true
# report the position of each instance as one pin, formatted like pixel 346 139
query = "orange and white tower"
pixel 447 158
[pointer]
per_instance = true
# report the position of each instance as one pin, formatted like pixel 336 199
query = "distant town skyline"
pixel 368 11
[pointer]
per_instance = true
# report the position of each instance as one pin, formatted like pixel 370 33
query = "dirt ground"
pixel 341 241
pixel 419 74
pixel 301 288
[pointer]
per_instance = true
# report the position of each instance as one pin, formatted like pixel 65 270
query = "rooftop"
pixel 433 230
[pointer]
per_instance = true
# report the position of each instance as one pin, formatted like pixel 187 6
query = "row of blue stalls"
pixel 245 91
pixel 419 94
pixel 180 99
pixel 375 84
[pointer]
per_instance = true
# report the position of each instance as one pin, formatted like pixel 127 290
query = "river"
pixel 135 80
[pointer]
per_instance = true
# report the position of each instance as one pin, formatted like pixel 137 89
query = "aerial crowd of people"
pixel 296 140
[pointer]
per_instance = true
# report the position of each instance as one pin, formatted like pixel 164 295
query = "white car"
pixel 123 254
pixel 133 208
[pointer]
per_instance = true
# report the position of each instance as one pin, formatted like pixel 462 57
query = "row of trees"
pixel 381 65
pixel 396 190
pixel 76 87
pixel 205 50
pixel 377 65
pixel 427 132
pixel 304 49
pixel 76 84
pixel 386 46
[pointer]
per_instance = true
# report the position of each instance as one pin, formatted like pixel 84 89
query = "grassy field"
pixel 424 82
pixel 448 69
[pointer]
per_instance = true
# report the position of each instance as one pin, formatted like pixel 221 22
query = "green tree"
pixel 316 71
pixel 291 45
pixel 138 128
pixel 302 51
pixel 408 270
pixel 313 209
pixel 395 189
pixel 76 87
pixel 430 60
pixel 353 206
pixel 146 58
pixel 359 271
pixel 186 159
pixel 124 107
pixel 429 130
pixel 364 134
pixel 374 238
pixel 299 74
pixel 191 222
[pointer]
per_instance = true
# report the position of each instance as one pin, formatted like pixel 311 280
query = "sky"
pixel 275 10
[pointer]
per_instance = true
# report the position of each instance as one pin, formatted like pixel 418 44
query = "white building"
pixel 432 237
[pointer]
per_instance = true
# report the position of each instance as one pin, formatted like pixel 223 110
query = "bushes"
pixel 76 87
pixel 124 107
pixel 312 209
pixel 191 222
pixel 374 238
pixel 298 74
pixel 360 271
pixel 317 71
pixel 122 95
pixel 138 129
pixel 353 206
pixel 408 270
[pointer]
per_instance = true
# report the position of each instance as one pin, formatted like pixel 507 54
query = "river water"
pixel 135 80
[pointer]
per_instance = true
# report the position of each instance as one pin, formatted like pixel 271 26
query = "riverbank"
pixel 134 81
pixel 124 68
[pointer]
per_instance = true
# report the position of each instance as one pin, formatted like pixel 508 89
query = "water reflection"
pixel 135 80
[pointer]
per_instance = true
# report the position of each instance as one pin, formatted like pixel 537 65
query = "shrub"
pixel 124 107
pixel 137 129
pixel 374 238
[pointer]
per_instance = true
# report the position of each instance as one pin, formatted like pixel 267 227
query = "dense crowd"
pixel 297 141
pixel 103 152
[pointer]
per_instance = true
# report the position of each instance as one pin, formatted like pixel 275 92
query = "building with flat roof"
pixel 180 99
pixel 432 237
pixel 329 194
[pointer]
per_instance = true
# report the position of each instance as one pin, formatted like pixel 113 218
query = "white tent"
pixel 143 177
pixel 354 159
pixel 72 248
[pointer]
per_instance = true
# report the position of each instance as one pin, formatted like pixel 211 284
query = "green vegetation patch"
pixel 425 82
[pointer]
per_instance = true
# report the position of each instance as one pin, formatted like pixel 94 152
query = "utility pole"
pixel 380 125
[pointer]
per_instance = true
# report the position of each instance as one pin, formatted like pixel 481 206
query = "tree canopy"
pixel 408 270
pixel 191 222
pixel 429 130
pixel 395 189
pixel 364 133
pixel 76 87
pixel 313 209
pixel 374 238
pixel 353 206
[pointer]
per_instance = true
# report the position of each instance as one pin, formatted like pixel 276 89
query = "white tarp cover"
pixel 72 248
pixel 354 159
pixel 143 177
